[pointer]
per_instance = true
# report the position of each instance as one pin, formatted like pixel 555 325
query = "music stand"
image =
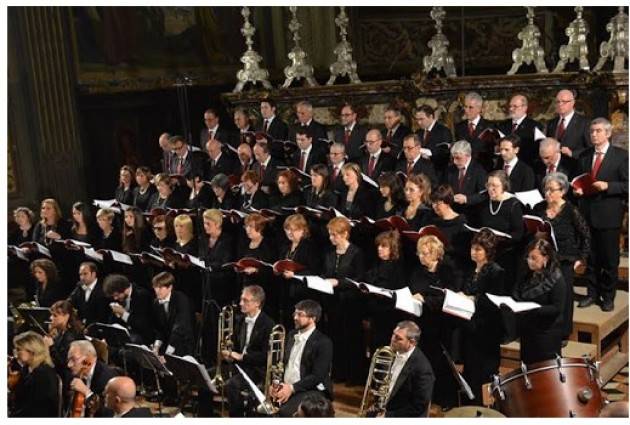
pixel 147 359
pixel 115 335
pixel 190 373
pixel 463 385
pixel 36 317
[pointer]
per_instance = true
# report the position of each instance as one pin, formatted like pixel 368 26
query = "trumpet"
pixel 224 341
pixel 378 382
pixel 275 370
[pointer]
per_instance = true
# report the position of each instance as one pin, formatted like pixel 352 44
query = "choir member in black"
pixel 519 172
pixel 483 333
pixel 49 287
pixel 251 343
pixel 120 398
pixel 471 127
pixel 571 233
pixel 360 197
pixel 298 247
pixel 289 194
pixel 83 226
pixel 188 277
pixel 319 193
pixel 272 124
pixel 451 224
pixel 388 273
pixel 245 158
pixel 540 329
pixel 394 131
pixel 252 196
pixel 172 318
pixel 37 393
pixel 52 225
pixel 569 127
pixel 435 136
pixel 392 199
pixel 504 213
pixel 256 245
pixel 124 192
pixel 350 133
pixel 344 260
pixel 551 160
pixel 266 165
pixel 414 161
pixel 436 270
pixel 88 297
pixel 337 159
pixel 468 180
pixel 163 232
pixel 110 237
pixel 25 219
pixel 144 190
pixel 201 194
pixel 131 307
pixel 166 196
pixel 418 212
pixel 523 126
pixel 377 160
pixel 136 235
pixel 65 327
pixel 224 198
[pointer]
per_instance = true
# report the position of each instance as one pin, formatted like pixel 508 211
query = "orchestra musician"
pixel 120 398
pixel 88 296
pixel 49 287
pixel 65 327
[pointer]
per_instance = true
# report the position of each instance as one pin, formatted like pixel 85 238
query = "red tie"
pixel 506 168
pixel 426 137
pixel 346 137
pixel 388 139
pixel 409 168
pixel 262 172
pixel 599 157
pixel 180 165
pixel 471 129
pixel 514 126
pixel 266 126
pixel 371 164
pixel 335 173
pixel 560 130
pixel 302 161
pixel 460 179
pixel 551 168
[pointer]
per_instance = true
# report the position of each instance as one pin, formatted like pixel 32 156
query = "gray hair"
pixel 549 142
pixel 461 147
pixel 602 121
pixel 559 178
pixel 257 293
pixel 85 347
pixel 474 96
pixel 411 328
pixel 308 105
pixel 339 145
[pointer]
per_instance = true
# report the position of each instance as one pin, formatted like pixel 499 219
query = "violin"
pixel 14 374
pixel 78 403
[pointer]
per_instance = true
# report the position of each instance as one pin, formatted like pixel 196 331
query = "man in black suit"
pixel 569 128
pixel 131 307
pixel 520 174
pixel 413 162
pixel 167 155
pixel 246 132
pixel 467 178
pixel 551 160
pixel 172 318
pixel 185 159
pixel 472 126
pixel 524 127
pixel 394 132
pixel 90 375
pixel 337 158
pixel 120 397
pixel 266 167
pixel 411 385
pixel 307 360
pixel 250 347
pixel 304 112
pixel 350 133
pixel 214 130
pixel 219 161
pixel 88 297
pixel 272 125
pixel 435 137
pixel 604 211
pixel 375 161
pixel 308 153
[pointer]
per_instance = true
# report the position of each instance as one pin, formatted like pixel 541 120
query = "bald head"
pixel 163 141
pixel 123 387
pixel 373 140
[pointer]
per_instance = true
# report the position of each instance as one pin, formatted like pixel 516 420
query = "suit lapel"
pixel 403 374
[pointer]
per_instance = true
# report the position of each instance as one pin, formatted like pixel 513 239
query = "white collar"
pixel 430 128
pixel 567 118
pixel 519 121
pixel 350 127
pixel 512 163
pixel 405 356
pixel 376 154
pixel 91 286
pixel 308 150
pixel 304 336
pixel 255 317
pixel 214 129
pixel 603 149
pixel 476 120
pixel 271 118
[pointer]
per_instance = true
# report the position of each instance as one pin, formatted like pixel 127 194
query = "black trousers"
pixel 289 408
pixel 604 263
pixel 568 273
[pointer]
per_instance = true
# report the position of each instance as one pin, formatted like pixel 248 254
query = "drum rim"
pixel 541 369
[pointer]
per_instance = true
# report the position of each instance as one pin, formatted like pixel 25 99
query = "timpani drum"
pixel 564 387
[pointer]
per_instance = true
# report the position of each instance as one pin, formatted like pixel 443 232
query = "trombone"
pixel 275 370
pixel 224 343
pixel 378 382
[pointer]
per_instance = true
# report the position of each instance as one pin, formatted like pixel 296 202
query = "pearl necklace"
pixel 490 205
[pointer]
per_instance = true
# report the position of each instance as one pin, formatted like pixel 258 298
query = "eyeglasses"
pixel 552 189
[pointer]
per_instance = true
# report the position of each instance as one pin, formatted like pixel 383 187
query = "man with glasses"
pixel 337 158
pixel 184 159
pixel 213 131
pixel 307 360
pixel 467 178
pixel 375 161
pixel 394 131
pixel 522 125
pixel 350 132
pixel 413 163
pixel 569 128
pixel 552 160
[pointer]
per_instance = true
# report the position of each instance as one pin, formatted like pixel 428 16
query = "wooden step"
pixel 511 351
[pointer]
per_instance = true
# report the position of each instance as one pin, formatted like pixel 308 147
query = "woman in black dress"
pixel 418 195
pixel 65 327
pixel 200 193
pixel 136 235
pixel 25 220
pixel 224 198
pixel 84 228
pixel 187 277
pixel 126 183
pixel 392 199
pixel 52 225
pixel 289 193
pixel 165 197
pixel 144 190
pixel 49 287
pixel 163 231
pixel 319 194
pixel 110 237
pixel 37 394
pixel 451 224
pixel 360 197
pixel 572 235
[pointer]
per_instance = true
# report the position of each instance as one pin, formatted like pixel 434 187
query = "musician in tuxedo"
pixel 337 158
pixel 185 158
pixel 569 128
pixel 172 318
pixel 552 160
pixel 467 178
pixel 219 161
pixel 266 167
pixel 250 347
pixel 411 385
pixel 350 132
pixel 413 162
pixel 434 135
pixel 307 359
pixel 304 112
pixel 131 307
pixel 272 124
pixel 522 125
pixel 88 296
pixel 252 196
pixel 375 161
pixel 472 126
pixel 394 132
pixel 604 211
pixel 520 174
pixel 308 153
pixel 246 132
pixel 90 375
pixel 214 131
pixel 120 397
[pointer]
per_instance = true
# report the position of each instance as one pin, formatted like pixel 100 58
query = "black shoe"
pixel 607 306
pixel 586 302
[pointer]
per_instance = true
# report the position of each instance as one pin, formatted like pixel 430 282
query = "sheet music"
pixel 371 288
pixel 196 261
pixel 318 284
pixel 18 252
pixel 538 135
pixel 104 203
pixel 202 370
pixel 426 153
pixel 42 249
pixel 113 325
pixel 514 305
pixel 91 252
pixel 458 305
pixel 259 395
pixel 406 302
pixel 121 258
pixel 369 180
pixel 530 197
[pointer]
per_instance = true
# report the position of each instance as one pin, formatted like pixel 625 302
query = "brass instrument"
pixel 224 343
pixel 275 370
pixel 378 382
pixel 18 319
